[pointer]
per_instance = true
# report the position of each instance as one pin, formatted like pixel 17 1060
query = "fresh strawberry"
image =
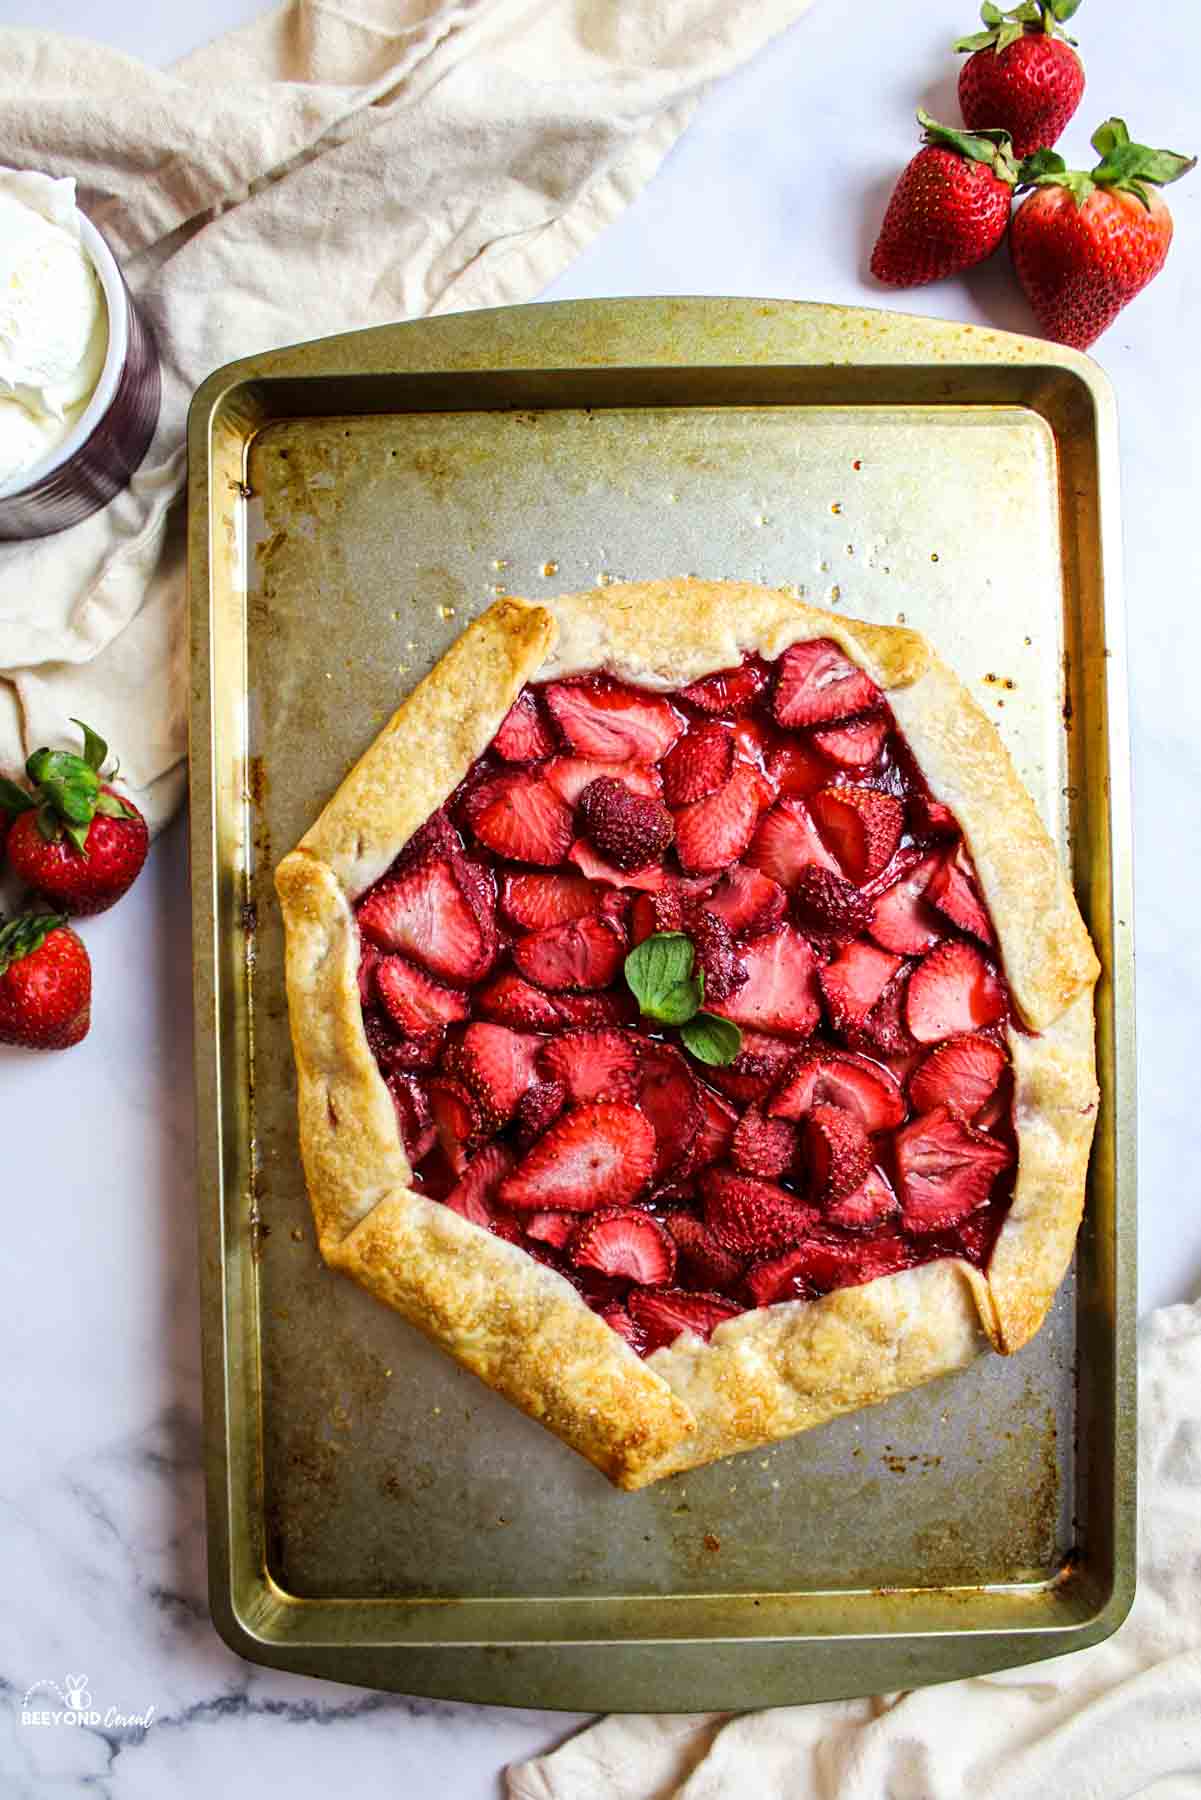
pixel 828 1077
pixel 404 1049
pixel 554 1228
pixel 665 1313
pixel 729 691
pixel 414 1116
pixel 945 1169
pixel 834 1153
pixel 593 1065
pixel 713 832
pixel 74 840
pixel 497 1064
pixel 963 1072
pixel 786 842
pixel 927 818
pixel 584 953
pixel 704 1263
pixel 952 989
pixel 647 880
pixel 763 1146
pixel 671 1100
pixel 537 1111
pixel 458 1122
pixel 795 768
pixel 613 723
pixel 662 911
pixel 698 764
pixel 413 1000
pixel 533 901
pixel 45 983
pixel 950 208
pixel 474 1196
pixel 510 1000
pixel 952 889
pixel 518 815
pixel 749 902
pixel 854 981
pixel 825 1262
pixel 749 1215
pixel 826 903
pixel 902 919
pixel 433 913
pixel 592 1156
pixel 523 737
pixel 861 825
pixel 628 830
pixel 816 683
pixel 716 956
pixel 871 1205
pixel 756 1069
pixel 570 775
pixel 1022 73
pixel 713 1135
pixel 628 1243
pixel 1084 245
pixel 781 993
pixel 855 745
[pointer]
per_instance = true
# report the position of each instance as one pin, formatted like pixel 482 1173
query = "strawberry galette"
pixel 694 1025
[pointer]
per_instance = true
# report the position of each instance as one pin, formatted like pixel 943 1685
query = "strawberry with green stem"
pixel 950 208
pixel 1084 245
pixel 45 983
pixel 1022 74
pixel 74 840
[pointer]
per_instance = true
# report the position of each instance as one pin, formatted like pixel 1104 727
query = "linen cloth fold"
pixel 328 167
pixel 1121 1719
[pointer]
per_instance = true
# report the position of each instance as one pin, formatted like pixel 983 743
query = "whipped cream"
pixel 53 319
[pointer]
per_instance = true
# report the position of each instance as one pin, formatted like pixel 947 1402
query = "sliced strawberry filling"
pixel 856 1117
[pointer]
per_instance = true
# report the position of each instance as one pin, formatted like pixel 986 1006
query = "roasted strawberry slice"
pixel 627 1243
pixel 570 775
pixel 786 842
pixel 779 1278
pixel 713 832
pixel 414 1117
pixel 749 901
pixel 582 954
pixel 952 989
pixel 729 691
pixel 671 1101
pixel 518 815
pixel 475 1194
pixel 592 1156
pixel 618 1319
pixel 856 744
pixel 457 1120
pixel 510 1000
pixel 497 1065
pixel 523 737
pixel 834 1152
pixel 871 1205
pixel 401 1050
pixel 825 1262
pixel 712 1140
pixel 763 1146
pixel 884 1032
pixel 698 764
pixel 664 1313
pixel 663 911
pixel 593 1065
pixel 929 818
pixel 413 1000
pixel 629 830
pixel 553 1228
pixel 795 769
pixel 751 1216
pixel 816 684
pixel 854 981
pixel 861 825
pixel 829 905
pixel 903 921
pixel 537 1111
pixel 704 1263
pixel 952 889
pixel 945 1169
pixel 368 961
pixel 433 912
pixel 613 723
pixel 840 1078
pixel 590 863
pixel 755 1070
pixel 780 994
pixel 534 901
pixel 963 1072
pixel 716 954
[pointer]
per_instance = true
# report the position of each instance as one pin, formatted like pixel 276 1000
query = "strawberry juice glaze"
pixel 865 1124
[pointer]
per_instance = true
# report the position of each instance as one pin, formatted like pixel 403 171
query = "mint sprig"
pixel 661 974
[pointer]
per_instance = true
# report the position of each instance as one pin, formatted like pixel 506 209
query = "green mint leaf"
pixel 657 966
pixel 14 799
pixel 711 1040
pixel 677 1005
pixel 94 747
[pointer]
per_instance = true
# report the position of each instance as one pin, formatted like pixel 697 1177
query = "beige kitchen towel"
pixel 328 167
pixel 1121 1719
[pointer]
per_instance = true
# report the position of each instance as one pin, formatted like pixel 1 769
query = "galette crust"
pixel 519 1325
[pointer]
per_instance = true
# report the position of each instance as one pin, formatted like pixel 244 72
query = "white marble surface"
pixel 776 190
